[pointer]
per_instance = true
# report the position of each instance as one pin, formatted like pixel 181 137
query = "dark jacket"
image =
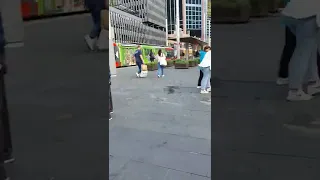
pixel 96 4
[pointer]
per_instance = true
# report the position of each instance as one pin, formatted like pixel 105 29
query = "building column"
pixel 112 60
pixel 184 17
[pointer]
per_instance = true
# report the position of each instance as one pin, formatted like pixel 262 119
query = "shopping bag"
pixel 163 61
pixel 143 74
pixel 144 67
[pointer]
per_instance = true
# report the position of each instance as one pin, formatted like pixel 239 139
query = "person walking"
pixel 301 18
pixel 162 62
pixel 95 7
pixel 288 49
pixel 202 53
pixel 205 67
pixel 139 59
pixel 151 56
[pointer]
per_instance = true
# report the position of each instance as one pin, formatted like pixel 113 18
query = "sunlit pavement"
pixel 160 127
pixel 256 133
pixel 57 95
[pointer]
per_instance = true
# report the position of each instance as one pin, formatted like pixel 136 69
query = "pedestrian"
pixel 288 49
pixel 3 132
pixel 139 59
pixel 95 7
pixel 202 54
pixel 162 62
pixel 205 67
pixel 151 56
pixel 301 18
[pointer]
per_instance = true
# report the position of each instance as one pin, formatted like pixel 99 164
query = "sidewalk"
pixel 160 128
pixel 58 103
pixel 257 134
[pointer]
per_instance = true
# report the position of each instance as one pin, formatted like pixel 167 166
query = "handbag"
pixel 162 60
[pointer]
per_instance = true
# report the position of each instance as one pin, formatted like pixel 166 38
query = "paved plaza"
pixel 57 95
pixel 257 135
pixel 161 127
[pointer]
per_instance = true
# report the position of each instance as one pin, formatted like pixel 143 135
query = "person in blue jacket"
pixel 95 7
pixel 287 52
pixel 202 54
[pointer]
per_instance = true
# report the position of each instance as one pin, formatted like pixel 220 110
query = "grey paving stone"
pixel 256 166
pixel 173 175
pixel 116 164
pixel 141 171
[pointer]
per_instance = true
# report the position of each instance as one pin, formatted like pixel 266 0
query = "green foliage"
pixel 179 61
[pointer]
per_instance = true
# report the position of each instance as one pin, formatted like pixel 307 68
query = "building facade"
pixel 138 21
pixel 193 17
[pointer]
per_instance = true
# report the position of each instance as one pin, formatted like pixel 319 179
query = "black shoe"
pixel 8 158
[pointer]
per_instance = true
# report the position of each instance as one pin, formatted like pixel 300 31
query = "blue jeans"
pixel 205 82
pixel 160 69
pixel 303 63
pixel 96 29
pixel 139 67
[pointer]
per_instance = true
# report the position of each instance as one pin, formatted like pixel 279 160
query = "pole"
pixel 178 28
pixel 167 41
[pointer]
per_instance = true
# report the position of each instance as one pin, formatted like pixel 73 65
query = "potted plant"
pixel 152 66
pixel 230 11
pixel 274 6
pixel 192 63
pixel 259 8
pixel 197 61
pixel 181 64
pixel 170 63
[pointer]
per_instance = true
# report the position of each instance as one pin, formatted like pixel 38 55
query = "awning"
pixel 191 40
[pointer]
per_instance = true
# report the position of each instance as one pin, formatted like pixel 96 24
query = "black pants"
pixel 288 49
pixel 200 78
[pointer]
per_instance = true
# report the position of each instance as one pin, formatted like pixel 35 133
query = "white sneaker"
pixel 138 75
pixel 90 42
pixel 209 89
pixel 204 92
pixel 298 96
pixel 162 75
pixel 159 76
pixel 314 88
pixel 198 87
pixel 282 81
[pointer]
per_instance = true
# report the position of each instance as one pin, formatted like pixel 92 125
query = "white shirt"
pixel 206 62
pixel 300 9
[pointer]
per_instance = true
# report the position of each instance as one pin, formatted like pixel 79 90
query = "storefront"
pixel 35 8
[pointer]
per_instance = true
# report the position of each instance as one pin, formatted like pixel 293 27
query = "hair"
pixel 139 46
pixel 207 48
pixel 159 52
